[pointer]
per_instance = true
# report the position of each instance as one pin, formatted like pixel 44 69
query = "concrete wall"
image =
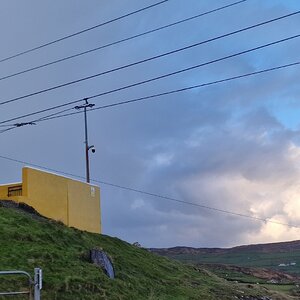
pixel 84 214
pixel 72 202
pixel 4 192
pixel 4 189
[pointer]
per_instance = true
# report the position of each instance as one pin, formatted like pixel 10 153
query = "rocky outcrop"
pixel 101 259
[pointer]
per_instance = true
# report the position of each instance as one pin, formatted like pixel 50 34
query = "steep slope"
pixel 29 241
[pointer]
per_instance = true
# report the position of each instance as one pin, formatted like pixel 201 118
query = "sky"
pixel 231 146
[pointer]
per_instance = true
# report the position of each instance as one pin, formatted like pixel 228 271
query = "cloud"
pixel 241 168
pixel 231 146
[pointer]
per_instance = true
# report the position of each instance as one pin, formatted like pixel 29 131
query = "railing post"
pixel 38 279
pixel 31 283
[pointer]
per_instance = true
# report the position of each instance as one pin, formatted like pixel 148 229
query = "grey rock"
pixel 101 259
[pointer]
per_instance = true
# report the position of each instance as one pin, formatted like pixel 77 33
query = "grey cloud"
pixel 221 146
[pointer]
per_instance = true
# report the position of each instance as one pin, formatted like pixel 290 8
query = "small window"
pixel 14 191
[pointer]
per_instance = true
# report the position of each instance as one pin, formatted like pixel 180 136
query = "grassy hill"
pixel 262 263
pixel 271 256
pixel 29 241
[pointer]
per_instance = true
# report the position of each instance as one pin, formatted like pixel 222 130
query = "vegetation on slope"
pixel 284 256
pixel 273 280
pixel 276 265
pixel 28 241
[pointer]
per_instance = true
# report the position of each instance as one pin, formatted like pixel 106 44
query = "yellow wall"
pixel 75 203
pixel 4 190
pixel 47 193
pixel 84 214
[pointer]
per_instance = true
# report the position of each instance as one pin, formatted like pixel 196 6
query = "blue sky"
pixel 232 146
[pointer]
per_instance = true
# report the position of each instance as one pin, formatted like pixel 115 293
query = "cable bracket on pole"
pixel 86 105
pixel 24 124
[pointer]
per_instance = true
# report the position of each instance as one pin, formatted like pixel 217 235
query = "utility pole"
pixel 87 147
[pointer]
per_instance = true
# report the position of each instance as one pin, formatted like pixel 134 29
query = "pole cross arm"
pixel 84 106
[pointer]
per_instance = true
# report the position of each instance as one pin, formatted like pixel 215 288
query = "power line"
pixel 24 124
pixel 53 114
pixel 8 129
pixel 119 41
pixel 17 125
pixel 5 125
pixel 81 31
pixel 145 60
pixel 49 117
pixel 179 90
pixel 155 195
pixel 41 111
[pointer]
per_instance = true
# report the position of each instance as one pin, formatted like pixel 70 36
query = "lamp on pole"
pixel 87 147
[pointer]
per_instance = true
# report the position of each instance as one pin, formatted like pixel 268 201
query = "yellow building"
pixel 75 203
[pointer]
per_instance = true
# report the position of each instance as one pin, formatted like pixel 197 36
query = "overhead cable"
pixel 8 129
pixel 145 60
pixel 178 90
pixel 119 41
pixel 81 31
pixel 156 78
pixel 155 195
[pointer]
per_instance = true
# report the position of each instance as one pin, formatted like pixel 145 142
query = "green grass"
pixel 236 276
pixel 62 253
pixel 288 288
pixel 28 242
pixel 248 259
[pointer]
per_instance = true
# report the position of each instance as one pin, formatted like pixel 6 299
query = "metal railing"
pixel 34 286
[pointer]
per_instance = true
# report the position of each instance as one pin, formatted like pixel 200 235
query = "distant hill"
pixel 283 257
pixel 264 248
pixel 29 240
pixel 264 264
